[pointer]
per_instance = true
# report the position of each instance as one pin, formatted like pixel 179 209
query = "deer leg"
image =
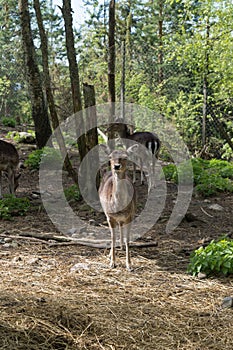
pixel 112 227
pixel 10 176
pixel 141 168
pixel 121 237
pixel 134 173
pixel 126 239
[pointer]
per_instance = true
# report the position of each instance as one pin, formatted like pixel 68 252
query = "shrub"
pixel 216 258
pixel 46 154
pixel 210 177
pixel 9 122
pixel 72 192
pixel 12 206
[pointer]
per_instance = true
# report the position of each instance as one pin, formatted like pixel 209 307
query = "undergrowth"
pixel 215 259
pixel 209 176
pixel 12 206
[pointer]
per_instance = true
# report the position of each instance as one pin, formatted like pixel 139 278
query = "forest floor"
pixel 56 295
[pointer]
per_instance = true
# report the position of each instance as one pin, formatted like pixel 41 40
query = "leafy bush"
pixel 216 258
pixel 209 176
pixel 72 192
pixel 36 157
pixel 9 122
pixel 11 206
pixel 20 136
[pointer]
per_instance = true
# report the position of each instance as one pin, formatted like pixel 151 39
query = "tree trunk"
pixel 91 137
pixel 205 84
pixel 123 54
pixel 111 67
pixel 160 55
pixel 39 109
pixel 74 75
pixel 49 94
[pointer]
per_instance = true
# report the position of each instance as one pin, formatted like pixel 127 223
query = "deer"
pixel 147 139
pixel 118 200
pixel 9 163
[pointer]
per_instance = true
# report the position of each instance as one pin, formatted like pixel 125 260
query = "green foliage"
pixel 9 122
pixel 216 258
pixel 12 206
pixel 34 159
pixel 17 137
pixel 73 192
pixel 47 154
pixel 210 177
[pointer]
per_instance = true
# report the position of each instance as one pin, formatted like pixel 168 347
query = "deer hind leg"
pixel 11 180
pixel 141 169
pixel 134 173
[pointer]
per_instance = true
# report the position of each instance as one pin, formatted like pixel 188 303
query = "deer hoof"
pixel 112 265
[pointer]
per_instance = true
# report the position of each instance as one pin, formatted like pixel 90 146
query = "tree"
pixel 39 109
pixel 74 75
pixel 49 94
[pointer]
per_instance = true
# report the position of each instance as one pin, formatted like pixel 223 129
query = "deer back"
pixel 9 157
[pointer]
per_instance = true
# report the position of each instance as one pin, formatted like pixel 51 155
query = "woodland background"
pixel 177 57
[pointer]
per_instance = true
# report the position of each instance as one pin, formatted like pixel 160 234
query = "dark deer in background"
pixel 148 139
pixel 118 200
pixel 9 163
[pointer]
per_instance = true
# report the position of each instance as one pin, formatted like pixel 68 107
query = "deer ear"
pixel 105 148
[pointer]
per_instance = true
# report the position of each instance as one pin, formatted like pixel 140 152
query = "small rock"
pixel 92 222
pixel 17 259
pixel 207 201
pixel 35 196
pixel 216 207
pixel 11 245
pixel 33 261
pixel 80 266
pixel 227 302
pixel 7 240
pixel 201 275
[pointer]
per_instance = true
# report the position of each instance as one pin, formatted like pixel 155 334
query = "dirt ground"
pixel 55 295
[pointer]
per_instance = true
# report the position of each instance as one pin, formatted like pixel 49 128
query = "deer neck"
pixel 122 191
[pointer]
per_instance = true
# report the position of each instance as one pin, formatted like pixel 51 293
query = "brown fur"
pixel 9 162
pixel 118 199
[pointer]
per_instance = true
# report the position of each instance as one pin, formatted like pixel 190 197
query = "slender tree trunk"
pixel 91 135
pixel 160 55
pixel 205 84
pixel 111 67
pixel 123 55
pixel 39 109
pixel 49 94
pixel 74 75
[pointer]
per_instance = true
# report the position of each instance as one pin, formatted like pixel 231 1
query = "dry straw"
pixel 46 306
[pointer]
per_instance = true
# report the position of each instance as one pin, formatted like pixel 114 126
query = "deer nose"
pixel 117 166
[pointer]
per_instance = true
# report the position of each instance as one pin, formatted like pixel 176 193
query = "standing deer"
pixel 118 200
pixel 147 139
pixel 9 162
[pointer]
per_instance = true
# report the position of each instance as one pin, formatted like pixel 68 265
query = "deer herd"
pixel 117 191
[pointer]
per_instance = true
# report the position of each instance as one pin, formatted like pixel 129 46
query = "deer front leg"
pixel 112 227
pixel 126 239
